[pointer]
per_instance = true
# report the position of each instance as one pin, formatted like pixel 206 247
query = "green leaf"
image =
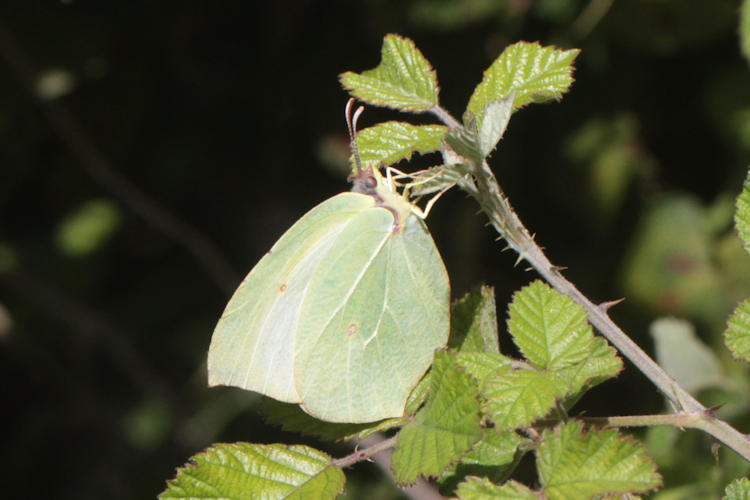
pixel 390 142
pixel 601 364
pixel 496 449
pixel 739 489
pixel 418 395
pixel 515 398
pixel 535 73
pixel 436 179
pixel 737 334
pixel 742 215
pixel 684 356
pixel 496 117
pixel 482 365
pixel 474 322
pixel 745 29
pixel 575 465
pixel 445 429
pixel 548 327
pixel 290 417
pixel 249 471
pixel 403 80
pixel 475 488
pixel 465 142
pixel 494 457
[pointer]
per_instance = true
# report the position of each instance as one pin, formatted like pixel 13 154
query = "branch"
pixel 503 218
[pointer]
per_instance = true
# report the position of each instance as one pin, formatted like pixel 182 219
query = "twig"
pixel 103 172
pixel 380 451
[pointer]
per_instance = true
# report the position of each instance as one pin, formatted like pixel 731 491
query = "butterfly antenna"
pixel 351 122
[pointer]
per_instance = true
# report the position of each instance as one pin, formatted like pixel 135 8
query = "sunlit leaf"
pixel 482 365
pixel 535 73
pixel 602 363
pixel 390 142
pixel 403 80
pixel 475 488
pixel 737 334
pixel 445 429
pixel 548 327
pixel 739 489
pixel 576 465
pixel 515 398
pixel 249 471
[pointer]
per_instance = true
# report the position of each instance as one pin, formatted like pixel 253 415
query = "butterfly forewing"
pixel 253 343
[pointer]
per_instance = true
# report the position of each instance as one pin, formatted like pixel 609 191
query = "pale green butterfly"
pixel 344 313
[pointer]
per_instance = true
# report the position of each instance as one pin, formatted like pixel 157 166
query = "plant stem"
pixel 503 218
pixel 366 453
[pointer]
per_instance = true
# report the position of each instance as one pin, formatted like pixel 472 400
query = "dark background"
pixel 185 137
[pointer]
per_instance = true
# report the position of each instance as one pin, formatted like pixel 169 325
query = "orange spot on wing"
pixel 352 330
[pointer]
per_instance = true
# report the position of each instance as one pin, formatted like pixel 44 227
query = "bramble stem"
pixel 503 218
pixel 365 454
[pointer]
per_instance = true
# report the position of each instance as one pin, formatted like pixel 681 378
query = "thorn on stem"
pixel 711 411
pixel 604 306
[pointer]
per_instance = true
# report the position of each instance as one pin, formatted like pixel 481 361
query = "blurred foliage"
pixel 86 228
pixel 217 112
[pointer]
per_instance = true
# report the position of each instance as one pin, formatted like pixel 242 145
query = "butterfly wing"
pixel 253 344
pixel 377 307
